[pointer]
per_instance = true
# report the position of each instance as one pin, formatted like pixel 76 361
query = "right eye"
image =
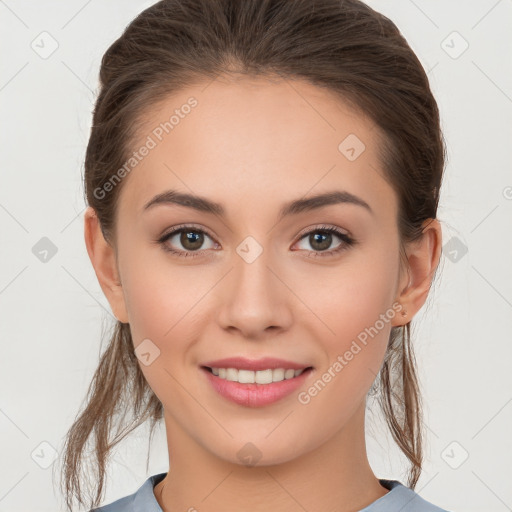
pixel 190 238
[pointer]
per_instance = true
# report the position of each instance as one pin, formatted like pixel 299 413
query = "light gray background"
pixel 52 312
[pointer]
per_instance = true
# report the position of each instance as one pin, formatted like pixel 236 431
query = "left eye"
pixel 321 239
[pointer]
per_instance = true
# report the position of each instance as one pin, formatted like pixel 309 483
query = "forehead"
pixel 245 141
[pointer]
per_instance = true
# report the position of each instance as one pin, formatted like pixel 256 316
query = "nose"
pixel 254 299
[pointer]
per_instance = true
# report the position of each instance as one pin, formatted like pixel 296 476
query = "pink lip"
pixel 241 363
pixel 255 395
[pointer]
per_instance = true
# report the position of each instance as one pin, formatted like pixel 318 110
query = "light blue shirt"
pixel 399 498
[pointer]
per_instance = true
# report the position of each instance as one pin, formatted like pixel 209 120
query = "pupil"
pixel 326 242
pixel 191 240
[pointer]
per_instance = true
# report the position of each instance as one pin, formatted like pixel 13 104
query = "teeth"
pixel 258 377
pixel 289 374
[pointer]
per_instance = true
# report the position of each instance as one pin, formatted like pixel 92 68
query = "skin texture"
pixel 253 145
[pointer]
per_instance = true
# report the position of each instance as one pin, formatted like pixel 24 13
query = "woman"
pixel 263 180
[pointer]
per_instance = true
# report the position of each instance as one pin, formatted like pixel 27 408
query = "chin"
pixel 260 452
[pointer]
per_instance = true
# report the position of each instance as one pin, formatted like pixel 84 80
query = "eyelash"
pixel 347 241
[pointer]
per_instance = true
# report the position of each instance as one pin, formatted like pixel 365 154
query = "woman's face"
pixel 258 284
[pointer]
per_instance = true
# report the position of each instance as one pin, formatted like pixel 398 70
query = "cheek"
pixel 165 313
pixel 166 305
pixel 354 298
pixel 160 295
pixel 359 314
pixel 355 309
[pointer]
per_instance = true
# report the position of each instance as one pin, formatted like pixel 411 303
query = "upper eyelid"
pixel 192 227
pixel 322 227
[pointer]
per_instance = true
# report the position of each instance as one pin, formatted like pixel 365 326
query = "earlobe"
pixel 423 258
pixel 103 259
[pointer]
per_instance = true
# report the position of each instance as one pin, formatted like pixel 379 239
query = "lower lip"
pixel 255 395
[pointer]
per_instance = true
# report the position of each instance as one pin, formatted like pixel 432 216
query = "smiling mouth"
pixel 267 376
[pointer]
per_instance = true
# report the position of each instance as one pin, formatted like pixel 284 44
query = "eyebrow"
pixel 291 208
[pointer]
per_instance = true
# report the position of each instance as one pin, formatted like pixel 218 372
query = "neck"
pixel 335 476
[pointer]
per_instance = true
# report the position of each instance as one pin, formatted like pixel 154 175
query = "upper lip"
pixel 265 363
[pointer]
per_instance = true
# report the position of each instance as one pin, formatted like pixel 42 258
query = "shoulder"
pixel 121 505
pixel 401 497
pixel 142 500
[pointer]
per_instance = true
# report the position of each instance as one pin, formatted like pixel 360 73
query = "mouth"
pixel 263 377
pixel 267 376
pixel 255 382
pixel 256 388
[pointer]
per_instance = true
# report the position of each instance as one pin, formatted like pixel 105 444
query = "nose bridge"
pixel 254 298
pixel 252 274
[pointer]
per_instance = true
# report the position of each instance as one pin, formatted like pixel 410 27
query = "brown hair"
pixel 342 45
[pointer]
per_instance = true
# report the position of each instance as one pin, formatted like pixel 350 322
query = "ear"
pixel 103 259
pixel 423 258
